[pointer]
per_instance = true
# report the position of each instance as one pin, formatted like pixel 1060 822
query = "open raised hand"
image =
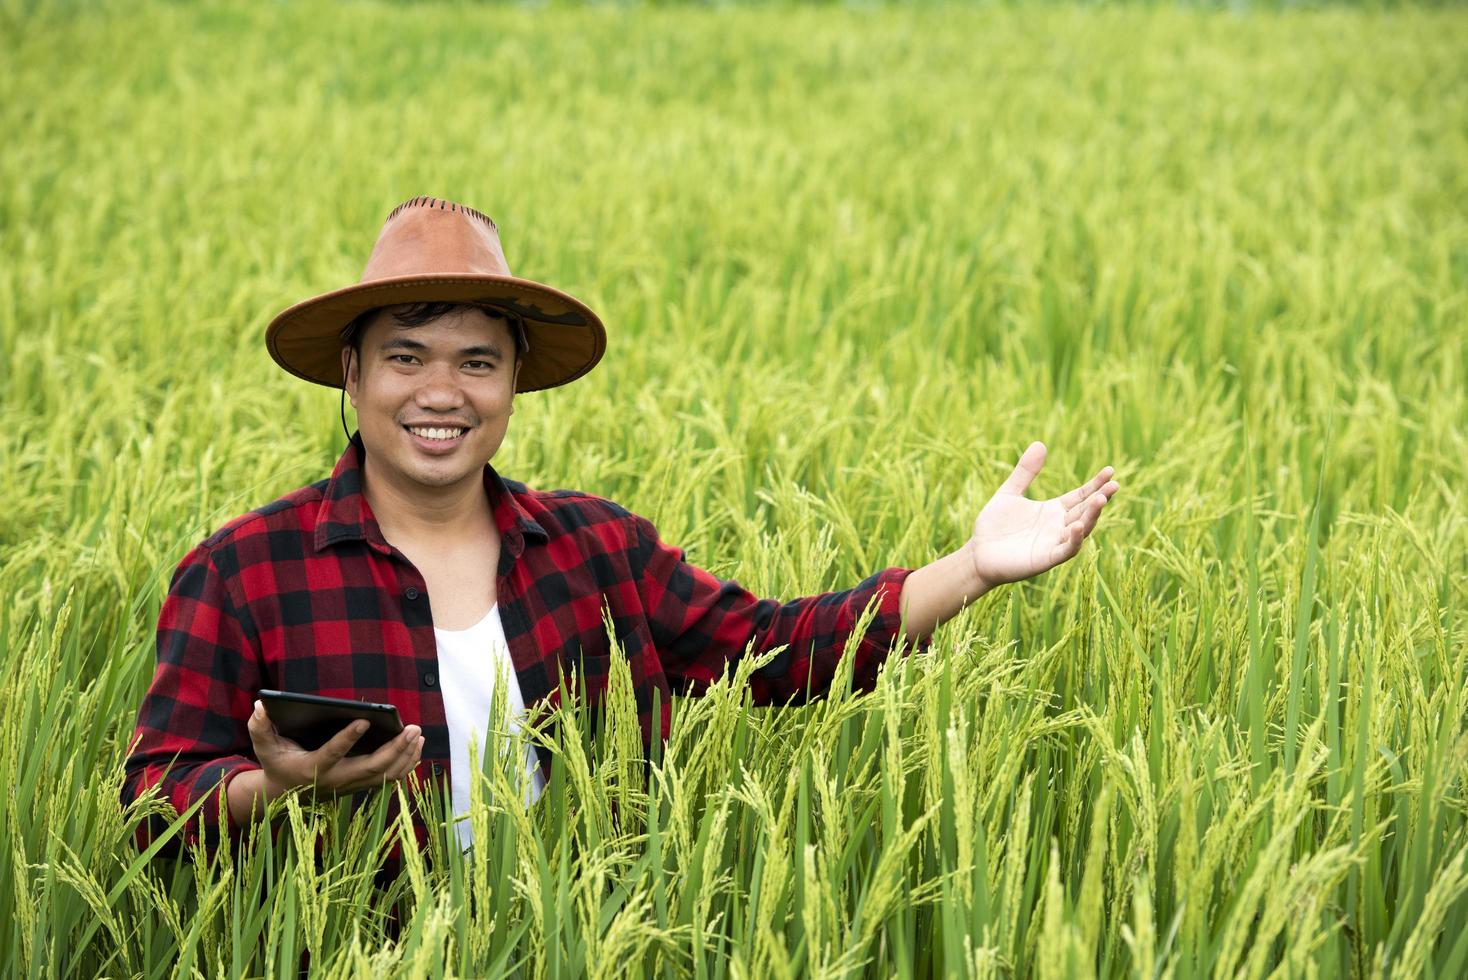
pixel 1017 538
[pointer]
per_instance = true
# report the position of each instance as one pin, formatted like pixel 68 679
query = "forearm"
pixel 937 592
pixel 248 793
pixel 162 765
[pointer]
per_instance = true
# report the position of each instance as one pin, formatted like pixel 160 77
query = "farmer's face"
pixel 454 377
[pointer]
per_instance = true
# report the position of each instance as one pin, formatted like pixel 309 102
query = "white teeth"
pixel 443 434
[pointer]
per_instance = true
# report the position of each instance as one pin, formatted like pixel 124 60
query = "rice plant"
pixel 852 260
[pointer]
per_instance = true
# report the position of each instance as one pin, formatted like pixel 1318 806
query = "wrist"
pixel 245 794
pixel 939 591
pixel 976 585
pixel 270 787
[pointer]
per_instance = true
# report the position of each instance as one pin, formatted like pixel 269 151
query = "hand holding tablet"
pixel 335 744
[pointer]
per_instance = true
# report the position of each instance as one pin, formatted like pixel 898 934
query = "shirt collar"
pixel 345 515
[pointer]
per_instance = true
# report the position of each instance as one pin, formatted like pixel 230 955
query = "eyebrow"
pixel 404 343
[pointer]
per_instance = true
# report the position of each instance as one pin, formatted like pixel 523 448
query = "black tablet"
pixel 311 720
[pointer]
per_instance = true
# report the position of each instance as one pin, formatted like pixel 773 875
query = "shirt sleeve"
pixel 700 622
pixel 191 735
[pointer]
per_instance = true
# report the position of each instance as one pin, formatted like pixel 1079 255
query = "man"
pixel 416 572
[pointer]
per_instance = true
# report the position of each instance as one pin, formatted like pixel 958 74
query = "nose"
pixel 439 392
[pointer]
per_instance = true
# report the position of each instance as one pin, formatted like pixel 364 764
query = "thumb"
pixel 1031 461
pixel 262 732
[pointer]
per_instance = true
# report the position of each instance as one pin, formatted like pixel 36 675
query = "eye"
pixel 394 357
pixel 485 364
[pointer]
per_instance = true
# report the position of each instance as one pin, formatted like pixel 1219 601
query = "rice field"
pixel 851 259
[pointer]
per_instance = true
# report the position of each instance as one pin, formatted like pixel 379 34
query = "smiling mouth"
pixel 436 434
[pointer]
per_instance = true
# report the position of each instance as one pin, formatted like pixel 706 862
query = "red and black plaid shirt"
pixel 305 595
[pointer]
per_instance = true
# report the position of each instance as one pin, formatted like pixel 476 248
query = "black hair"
pixel 415 315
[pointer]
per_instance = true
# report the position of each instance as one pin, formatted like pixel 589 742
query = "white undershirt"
pixel 468 662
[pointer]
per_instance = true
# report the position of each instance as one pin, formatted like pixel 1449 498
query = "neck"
pixel 455 513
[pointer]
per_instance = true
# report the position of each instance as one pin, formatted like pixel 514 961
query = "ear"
pixel 351 368
pixel 515 380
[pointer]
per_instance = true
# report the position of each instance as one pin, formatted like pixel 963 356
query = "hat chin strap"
pixel 343 405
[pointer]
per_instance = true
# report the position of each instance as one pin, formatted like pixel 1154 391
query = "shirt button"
pixel 411 592
pixel 430 679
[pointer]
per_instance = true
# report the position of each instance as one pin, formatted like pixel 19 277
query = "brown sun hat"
pixel 432 250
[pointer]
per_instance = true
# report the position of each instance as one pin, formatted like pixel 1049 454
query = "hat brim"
pixel 566 337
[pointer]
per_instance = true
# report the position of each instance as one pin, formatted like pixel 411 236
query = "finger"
pixel 1074 512
pixel 1031 461
pixel 411 762
pixel 1092 512
pixel 339 745
pixel 402 766
pixel 1067 543
pixel 1078 509
pixel 1080 493
pixel 1079 522
pixel 379 766
pixel 365 771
